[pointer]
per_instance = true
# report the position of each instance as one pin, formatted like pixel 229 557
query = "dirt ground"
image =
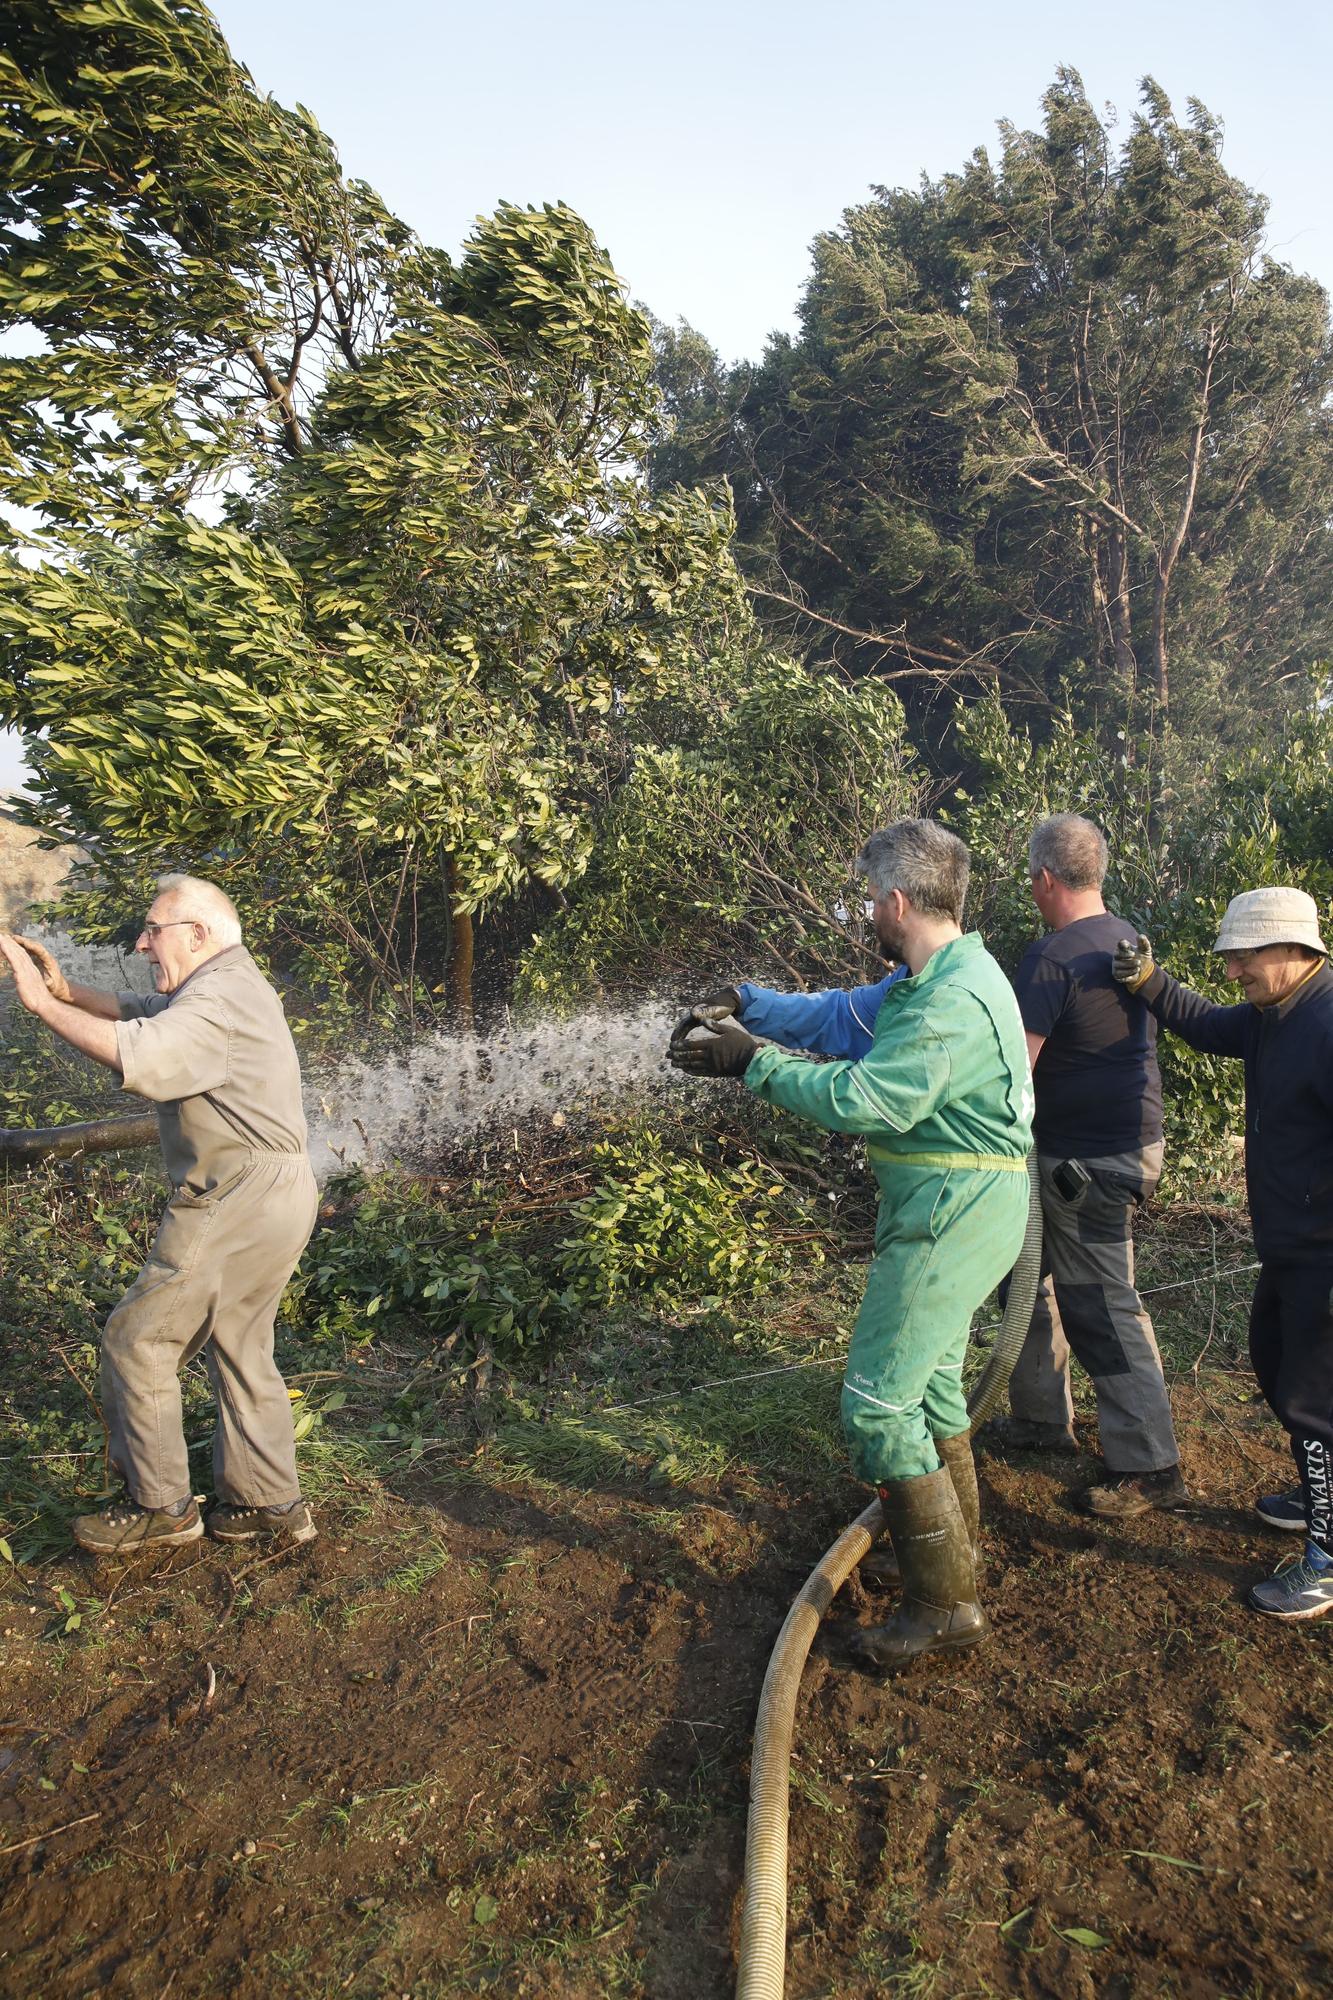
pixel 483 1741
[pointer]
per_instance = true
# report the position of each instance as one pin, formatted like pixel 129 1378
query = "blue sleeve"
pixel 827 1024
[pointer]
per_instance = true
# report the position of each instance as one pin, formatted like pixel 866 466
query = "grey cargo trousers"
pixel 1088 1303
pixel 214 1276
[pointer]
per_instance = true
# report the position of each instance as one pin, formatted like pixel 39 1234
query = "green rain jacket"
pixel 945 1084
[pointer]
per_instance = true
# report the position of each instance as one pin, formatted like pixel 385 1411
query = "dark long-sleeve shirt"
pixel 1287 1050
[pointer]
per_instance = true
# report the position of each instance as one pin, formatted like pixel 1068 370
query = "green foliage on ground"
pixel 667 1219
pixel 670 1228
pixel 45 1082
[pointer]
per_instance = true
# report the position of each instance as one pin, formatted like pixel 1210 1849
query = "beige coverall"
pixel 218 1060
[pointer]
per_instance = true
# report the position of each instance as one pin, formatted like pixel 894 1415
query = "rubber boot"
pixel 939 1612
pixel 879 1569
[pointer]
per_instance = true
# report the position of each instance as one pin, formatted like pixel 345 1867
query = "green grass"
pixel 687 1399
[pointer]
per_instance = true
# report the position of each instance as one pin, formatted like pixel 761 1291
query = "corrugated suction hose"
pixel 761 1972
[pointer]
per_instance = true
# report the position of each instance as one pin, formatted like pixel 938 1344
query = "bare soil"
pixel 480 1741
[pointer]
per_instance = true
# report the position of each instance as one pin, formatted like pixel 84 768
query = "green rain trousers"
pixel 944 1102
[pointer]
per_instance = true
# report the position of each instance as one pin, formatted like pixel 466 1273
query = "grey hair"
pixel 1071 848
pixel 204 903
pixel 924 860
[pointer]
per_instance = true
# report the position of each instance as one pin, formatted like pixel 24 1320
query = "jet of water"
pixel 449 1088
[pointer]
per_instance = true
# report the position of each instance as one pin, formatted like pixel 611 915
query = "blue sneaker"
pixel 1283 1510
pixel 1301 1587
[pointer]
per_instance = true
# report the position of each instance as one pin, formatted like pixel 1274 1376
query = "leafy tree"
pixel 186 251
pixel 1055 418
pixel 735 848
pixel 395 685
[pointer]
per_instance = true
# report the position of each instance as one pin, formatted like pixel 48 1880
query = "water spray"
pixel 451 1088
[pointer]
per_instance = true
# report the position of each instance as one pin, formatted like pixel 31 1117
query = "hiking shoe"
pixel 1135 1493
pixel 1026 1434
pixel 1300 1587
pixel 1283 1510
pixel 228 1523
pixel 123 1528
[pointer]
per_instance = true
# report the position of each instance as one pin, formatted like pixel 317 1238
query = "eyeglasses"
pixel 1245 954
pixel 175 923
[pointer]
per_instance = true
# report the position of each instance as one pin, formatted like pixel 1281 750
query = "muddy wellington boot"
pixel 939 1611
pixel 879 1569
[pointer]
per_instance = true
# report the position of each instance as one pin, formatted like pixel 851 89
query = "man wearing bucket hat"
pixel 1283 1031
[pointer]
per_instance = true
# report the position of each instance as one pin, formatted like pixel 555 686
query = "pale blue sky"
pixel 706 144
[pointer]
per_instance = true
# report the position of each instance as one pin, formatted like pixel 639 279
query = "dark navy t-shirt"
pixel 1097 1083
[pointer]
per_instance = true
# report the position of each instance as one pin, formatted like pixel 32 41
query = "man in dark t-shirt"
pixel 1098 1137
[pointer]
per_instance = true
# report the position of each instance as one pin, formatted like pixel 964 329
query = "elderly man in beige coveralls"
pixel 212 1050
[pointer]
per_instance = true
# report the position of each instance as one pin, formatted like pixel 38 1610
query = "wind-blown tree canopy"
pixel 1055 418
pixel 735 849
pixel 395 685
pixel 187 250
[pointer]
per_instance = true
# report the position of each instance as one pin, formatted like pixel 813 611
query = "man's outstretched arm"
pixel 835 1023
pixel 900 1082
pixel 93 1034
pixel 1218 1031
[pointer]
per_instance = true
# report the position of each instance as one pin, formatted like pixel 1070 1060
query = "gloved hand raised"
pixel 716 1006
pixel 1132 963
pixel 724 1050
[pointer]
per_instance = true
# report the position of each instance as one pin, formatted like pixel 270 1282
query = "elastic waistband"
pixel 240 1161
pixel 1004 1163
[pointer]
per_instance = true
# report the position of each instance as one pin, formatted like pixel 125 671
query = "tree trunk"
pixel 1117 607
pixel 1161 678
pixel 1166 561
pixel 458 970
pixel 1098 607
pixel 63 1142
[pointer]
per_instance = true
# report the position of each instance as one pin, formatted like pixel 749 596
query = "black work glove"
pixel 726 1051
pixel 1132 962
pixel 716 1006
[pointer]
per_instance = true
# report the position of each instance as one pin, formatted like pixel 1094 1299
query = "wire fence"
pixel 1212 1278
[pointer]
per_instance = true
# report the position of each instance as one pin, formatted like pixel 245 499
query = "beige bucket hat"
pixel 1270 916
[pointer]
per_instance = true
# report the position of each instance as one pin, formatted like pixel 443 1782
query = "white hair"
pixel 204 903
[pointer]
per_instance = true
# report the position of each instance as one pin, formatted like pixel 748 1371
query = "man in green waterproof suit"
pixel 943 1098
